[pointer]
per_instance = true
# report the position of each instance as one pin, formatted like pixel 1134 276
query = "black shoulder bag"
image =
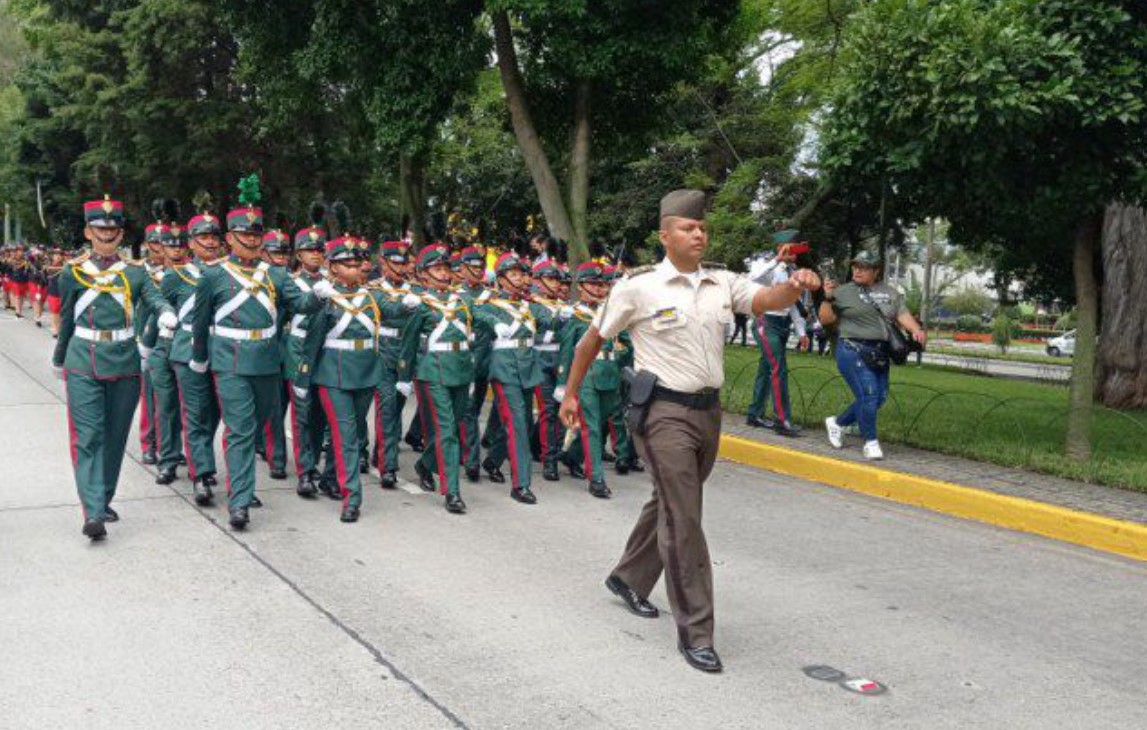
pixel 899 346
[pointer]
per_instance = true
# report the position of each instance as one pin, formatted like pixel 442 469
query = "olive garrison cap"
pixel 684 204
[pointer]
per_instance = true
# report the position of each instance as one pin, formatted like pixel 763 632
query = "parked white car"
pixel 1062 346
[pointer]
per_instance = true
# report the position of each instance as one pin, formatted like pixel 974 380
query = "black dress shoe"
pixel 637 605
pixel 550 471
pixel 576 470
pixel 166 475
pixel 255 502
pixel 363 463
pixel 493 473
pixel 637 465
pixel 349 514
pixel 201 490
pixel 455 505
pixel 261 453
pixel 598 488
pixel 701 657
pixel 425 478
pixel 525 496
pixel 607 457
pixel 278 474
pixel 306 488
pixel 208 480
pixel 239 518
pixel 149 458
pixel 110 515
pixel 181 460
pixel 415 445
pixel 474 474
pixel 330 487
pixel 95 530
pixel 389 480
pixel 787 429
pixel 622 466
pixel 759 422
pixel 374 456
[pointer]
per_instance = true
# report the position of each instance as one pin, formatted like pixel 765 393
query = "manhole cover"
pixel 823 672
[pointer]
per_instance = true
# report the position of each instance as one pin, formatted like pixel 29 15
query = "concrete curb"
pixel 1128 539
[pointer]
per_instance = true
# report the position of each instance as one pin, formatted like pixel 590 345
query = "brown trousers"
pixel 680 446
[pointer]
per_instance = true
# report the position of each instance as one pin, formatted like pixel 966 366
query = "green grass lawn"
pixel 1001 421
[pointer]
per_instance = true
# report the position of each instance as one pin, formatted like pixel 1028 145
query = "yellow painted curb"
pixel 1093 531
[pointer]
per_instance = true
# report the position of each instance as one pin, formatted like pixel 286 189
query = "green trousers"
pixel 623 447
pixel 388 420
pixel 166 415
pixel 771 334
pixel 199 411
pixel 307 430
pixel 597 407
pixel 272 437
pixel 345 411
pixel 147 440
pixel 445 408
pixel 246 401
pixel 99 421
pixel 513 404
pixel 475 400
pixel 548 427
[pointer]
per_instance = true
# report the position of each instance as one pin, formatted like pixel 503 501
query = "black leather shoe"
pixel 474 474
pixel 255 502
pixel 202 491
pixel 350 514
pixel 181 460
pixel 389 480
pixel 576 470
pixel 415 445
pixel 493 473
pixel 425 478
pixel 95 530
pixel 599 489
pixel 330 487
pixel 110 515
pixel 239 518
pixel 455 505
pixel 525 496
pixel 637 465
pixel 306 488
pixel 759 422
pixel 607 457
pixel 278 474
pixel 701 657
pixel 637 605
pixel 550 471
pixel 165 475
pixel 261 453
pixel 374 456
pixel 363 463
pixel 209 480
pixel 622 466
pixel 787 429
pixel 149 458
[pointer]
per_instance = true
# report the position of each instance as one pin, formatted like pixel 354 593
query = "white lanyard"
pixel 247 292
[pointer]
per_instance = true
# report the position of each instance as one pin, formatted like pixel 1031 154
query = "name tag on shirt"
pixel 668 317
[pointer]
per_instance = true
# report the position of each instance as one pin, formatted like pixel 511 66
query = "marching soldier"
pixel 153 237
pixel 307 422
pixel 515 370
pixel 238 305
pixel 548 428
pixel 158 370
pixel 436 357
pixel 473 270
pixel 199 406
pixel 389 402
pixel 277 251
pixel 97 355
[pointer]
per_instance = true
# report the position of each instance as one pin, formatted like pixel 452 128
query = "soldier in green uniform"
pixel 598 395
pixel 394 257
pixel 627 459
pixel 277 251
pixel 473 271
pixel 343 344
pixel 436 357
pixel 515 370
pixel 97 355
pixel 238 305
pixel 157 367
pixel 153 236
pixel 307 421
pixel 199 406
pixel 548 431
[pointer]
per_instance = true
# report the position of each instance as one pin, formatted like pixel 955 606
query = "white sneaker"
pixel 835 432
pixel 872 451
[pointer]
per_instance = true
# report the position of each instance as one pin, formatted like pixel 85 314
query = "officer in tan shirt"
pixel 676 312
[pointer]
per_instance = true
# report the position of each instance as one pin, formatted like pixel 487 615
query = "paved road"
pixel 414 618
pixel 1003 368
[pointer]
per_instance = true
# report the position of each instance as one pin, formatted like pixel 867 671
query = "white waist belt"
pixel 355 345
pixel 104 335
pixel 189 329
pixel 167 334
pixel 448 347
pixel 501 344
pixel 388 332
pixel 548 348
pixel 237 334
pixel 604 356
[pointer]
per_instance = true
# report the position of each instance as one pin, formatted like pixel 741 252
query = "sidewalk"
pixel 1117 504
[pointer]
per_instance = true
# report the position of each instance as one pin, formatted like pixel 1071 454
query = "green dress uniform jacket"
pixel 599 395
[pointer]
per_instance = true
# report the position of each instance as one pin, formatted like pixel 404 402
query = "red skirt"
pixel 17 288
pixel 53 304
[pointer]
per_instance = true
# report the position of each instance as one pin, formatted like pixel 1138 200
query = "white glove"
pixel 299 392
pixel 323 289
pixel 168 320
pixel 502 330
pixel 565 313
pixel 198 367
pixel 58 372
pixel 144 351
pixel 560 393
pixel 407 389
pixel 410 301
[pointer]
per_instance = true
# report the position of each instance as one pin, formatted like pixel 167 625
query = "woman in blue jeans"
pixel 863 310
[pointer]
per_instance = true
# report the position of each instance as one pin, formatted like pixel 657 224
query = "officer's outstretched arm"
pixel 150 296
pixel 782 296
pixel 292 295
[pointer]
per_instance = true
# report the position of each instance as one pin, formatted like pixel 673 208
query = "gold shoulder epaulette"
pixel 80 259
pixel 714 265
pixel 640 270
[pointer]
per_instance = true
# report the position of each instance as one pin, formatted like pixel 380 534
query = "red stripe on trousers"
pixel 774 373
pixel 144 419
pixel 585 452
pixel 428 406
pixel 295 439
pixel 336 441
pixel 508 424
pixel 186 438
pixel 72 439
pixel 543 421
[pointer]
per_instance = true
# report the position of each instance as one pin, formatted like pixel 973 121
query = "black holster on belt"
pixel 642 385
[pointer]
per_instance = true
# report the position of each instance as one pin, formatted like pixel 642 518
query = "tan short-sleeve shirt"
pixel 677 323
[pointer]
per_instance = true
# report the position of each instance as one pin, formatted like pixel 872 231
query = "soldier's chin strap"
pixel 441 284
pixel 515 292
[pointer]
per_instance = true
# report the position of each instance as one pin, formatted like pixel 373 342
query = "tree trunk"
pixel 579 176
pixel 1081 398
pixel 411 171
pixel 1121 377
pixel 926 294
pixel 545 183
